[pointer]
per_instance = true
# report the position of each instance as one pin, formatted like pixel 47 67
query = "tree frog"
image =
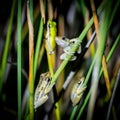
pixel 67 44
pixel 50 36
pixel 77 91
pixel 43 88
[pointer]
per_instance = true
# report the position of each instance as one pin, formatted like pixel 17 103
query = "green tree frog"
pixel 43 88
pixel 77 91
pixel 67 45
pixel 50 36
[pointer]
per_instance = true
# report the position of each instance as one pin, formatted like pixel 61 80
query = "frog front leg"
pixel 67 52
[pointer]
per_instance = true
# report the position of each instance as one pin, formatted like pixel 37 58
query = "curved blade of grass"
pixel 6 49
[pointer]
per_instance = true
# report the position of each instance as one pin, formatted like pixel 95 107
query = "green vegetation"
pixel 28 48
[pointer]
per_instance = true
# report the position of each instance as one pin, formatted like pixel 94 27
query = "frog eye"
pixel 80 83
pixel 49 25
pixel 61 42
pixel 63 38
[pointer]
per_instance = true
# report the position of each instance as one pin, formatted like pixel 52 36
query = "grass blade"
pixel 31 56
pixel 19 24
pixel 38 44
pixel 6 49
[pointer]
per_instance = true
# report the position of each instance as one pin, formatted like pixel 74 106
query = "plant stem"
pixel 19 31
pixel 74 48
pixel 73 112
pixel 38 44
pixel 31 10
pixel 83 106
pixel 111 52
pixel 88 76
pixel 113 95
pixel 105 25
pixel 101 46
pixel 31 72
pixel 6 49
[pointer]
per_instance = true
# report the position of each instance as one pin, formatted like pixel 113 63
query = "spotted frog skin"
pixel 77 91
pixel 43 88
